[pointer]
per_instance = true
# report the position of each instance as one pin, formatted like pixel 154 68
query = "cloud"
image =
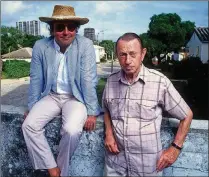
pixel 169 6
pixel 103 7
pixel 11 7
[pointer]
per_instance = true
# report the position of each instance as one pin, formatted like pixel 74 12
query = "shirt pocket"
pixel 146 111
pixel 115 108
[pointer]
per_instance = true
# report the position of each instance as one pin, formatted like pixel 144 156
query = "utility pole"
pixel 102 31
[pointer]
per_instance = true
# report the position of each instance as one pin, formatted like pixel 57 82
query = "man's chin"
pixel 129 71
pixel 67 43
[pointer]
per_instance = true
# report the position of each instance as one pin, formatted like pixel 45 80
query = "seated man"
pixel 63 79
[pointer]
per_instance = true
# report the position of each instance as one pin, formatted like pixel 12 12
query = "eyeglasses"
pixel 61 27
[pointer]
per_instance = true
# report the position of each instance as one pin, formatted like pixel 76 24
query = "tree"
pixel 12 39
pixel 170 30
pixel 109 46
pixel 29 40
pixel 189 28
pixel 154 47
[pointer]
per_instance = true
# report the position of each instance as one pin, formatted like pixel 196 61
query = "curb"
pixel 11 81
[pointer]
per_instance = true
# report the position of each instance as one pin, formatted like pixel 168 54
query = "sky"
pixel 110 19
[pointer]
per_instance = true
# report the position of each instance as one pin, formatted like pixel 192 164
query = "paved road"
pixel 15 91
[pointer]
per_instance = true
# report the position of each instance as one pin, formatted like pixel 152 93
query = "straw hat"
pixel 64 13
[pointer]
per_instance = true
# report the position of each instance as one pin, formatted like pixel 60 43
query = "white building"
pixel 29 27
pixel 198 44
pixel 100 52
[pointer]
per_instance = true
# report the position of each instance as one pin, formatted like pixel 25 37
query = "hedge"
pixel 15 69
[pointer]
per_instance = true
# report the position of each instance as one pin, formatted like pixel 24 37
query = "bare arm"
pixel 170 155
pixel 183 129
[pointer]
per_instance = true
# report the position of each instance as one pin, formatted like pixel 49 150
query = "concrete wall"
pixel 88 159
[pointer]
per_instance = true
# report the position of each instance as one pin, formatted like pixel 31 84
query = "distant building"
pixel 90 33
pixel 20 54
pixel 100 53
pixel 29 27
pixel 198 43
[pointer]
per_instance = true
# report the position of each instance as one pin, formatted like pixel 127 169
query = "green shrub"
pixel 15 69
pixel 100 88
pixel 103 59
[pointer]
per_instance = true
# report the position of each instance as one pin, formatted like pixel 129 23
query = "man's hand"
pixel 25 114
pixel 54 172
pixel 90 123
pixel 111 144
pixel 167 158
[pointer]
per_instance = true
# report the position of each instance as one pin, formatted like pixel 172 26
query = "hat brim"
pixel 80 20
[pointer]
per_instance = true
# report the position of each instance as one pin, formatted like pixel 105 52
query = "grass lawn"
pixel 100 88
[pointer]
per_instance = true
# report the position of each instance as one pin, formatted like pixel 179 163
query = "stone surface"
pixel 88 159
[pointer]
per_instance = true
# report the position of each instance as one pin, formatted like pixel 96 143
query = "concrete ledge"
pixel 88 159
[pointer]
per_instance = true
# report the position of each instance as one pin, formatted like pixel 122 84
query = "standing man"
pixel 63 79
pixel 133 101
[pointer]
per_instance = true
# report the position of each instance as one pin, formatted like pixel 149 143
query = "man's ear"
pixel 144 51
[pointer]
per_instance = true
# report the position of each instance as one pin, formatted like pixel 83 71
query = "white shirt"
pixel 61 85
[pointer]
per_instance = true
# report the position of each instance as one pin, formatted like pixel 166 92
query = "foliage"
pixel 167 29
pixel 100 88
pixel 103 59
pixel 166 33
pixel 191 67
pixel 188 26
pixel 15 69
pixel 154 46
pixel 29 40
pixel 197 96
pixel 109 46
pixel 12 39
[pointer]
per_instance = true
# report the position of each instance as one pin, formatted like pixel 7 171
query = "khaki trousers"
pixel 73 114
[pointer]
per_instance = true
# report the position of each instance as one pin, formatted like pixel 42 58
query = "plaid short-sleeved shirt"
pixel 136 114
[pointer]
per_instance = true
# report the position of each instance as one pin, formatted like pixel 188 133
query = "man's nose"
pixel 128 59
pixel 65 31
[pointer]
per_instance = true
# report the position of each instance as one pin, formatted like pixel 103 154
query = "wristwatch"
pixel 176 146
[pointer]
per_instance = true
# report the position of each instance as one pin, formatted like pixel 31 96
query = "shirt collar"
pixel 57 47
pixel 141 75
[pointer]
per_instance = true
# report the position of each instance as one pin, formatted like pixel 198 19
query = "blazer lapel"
pixel 50 56
pixel 72 60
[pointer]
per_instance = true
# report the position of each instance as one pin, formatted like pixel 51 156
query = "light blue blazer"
pixel 82 72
